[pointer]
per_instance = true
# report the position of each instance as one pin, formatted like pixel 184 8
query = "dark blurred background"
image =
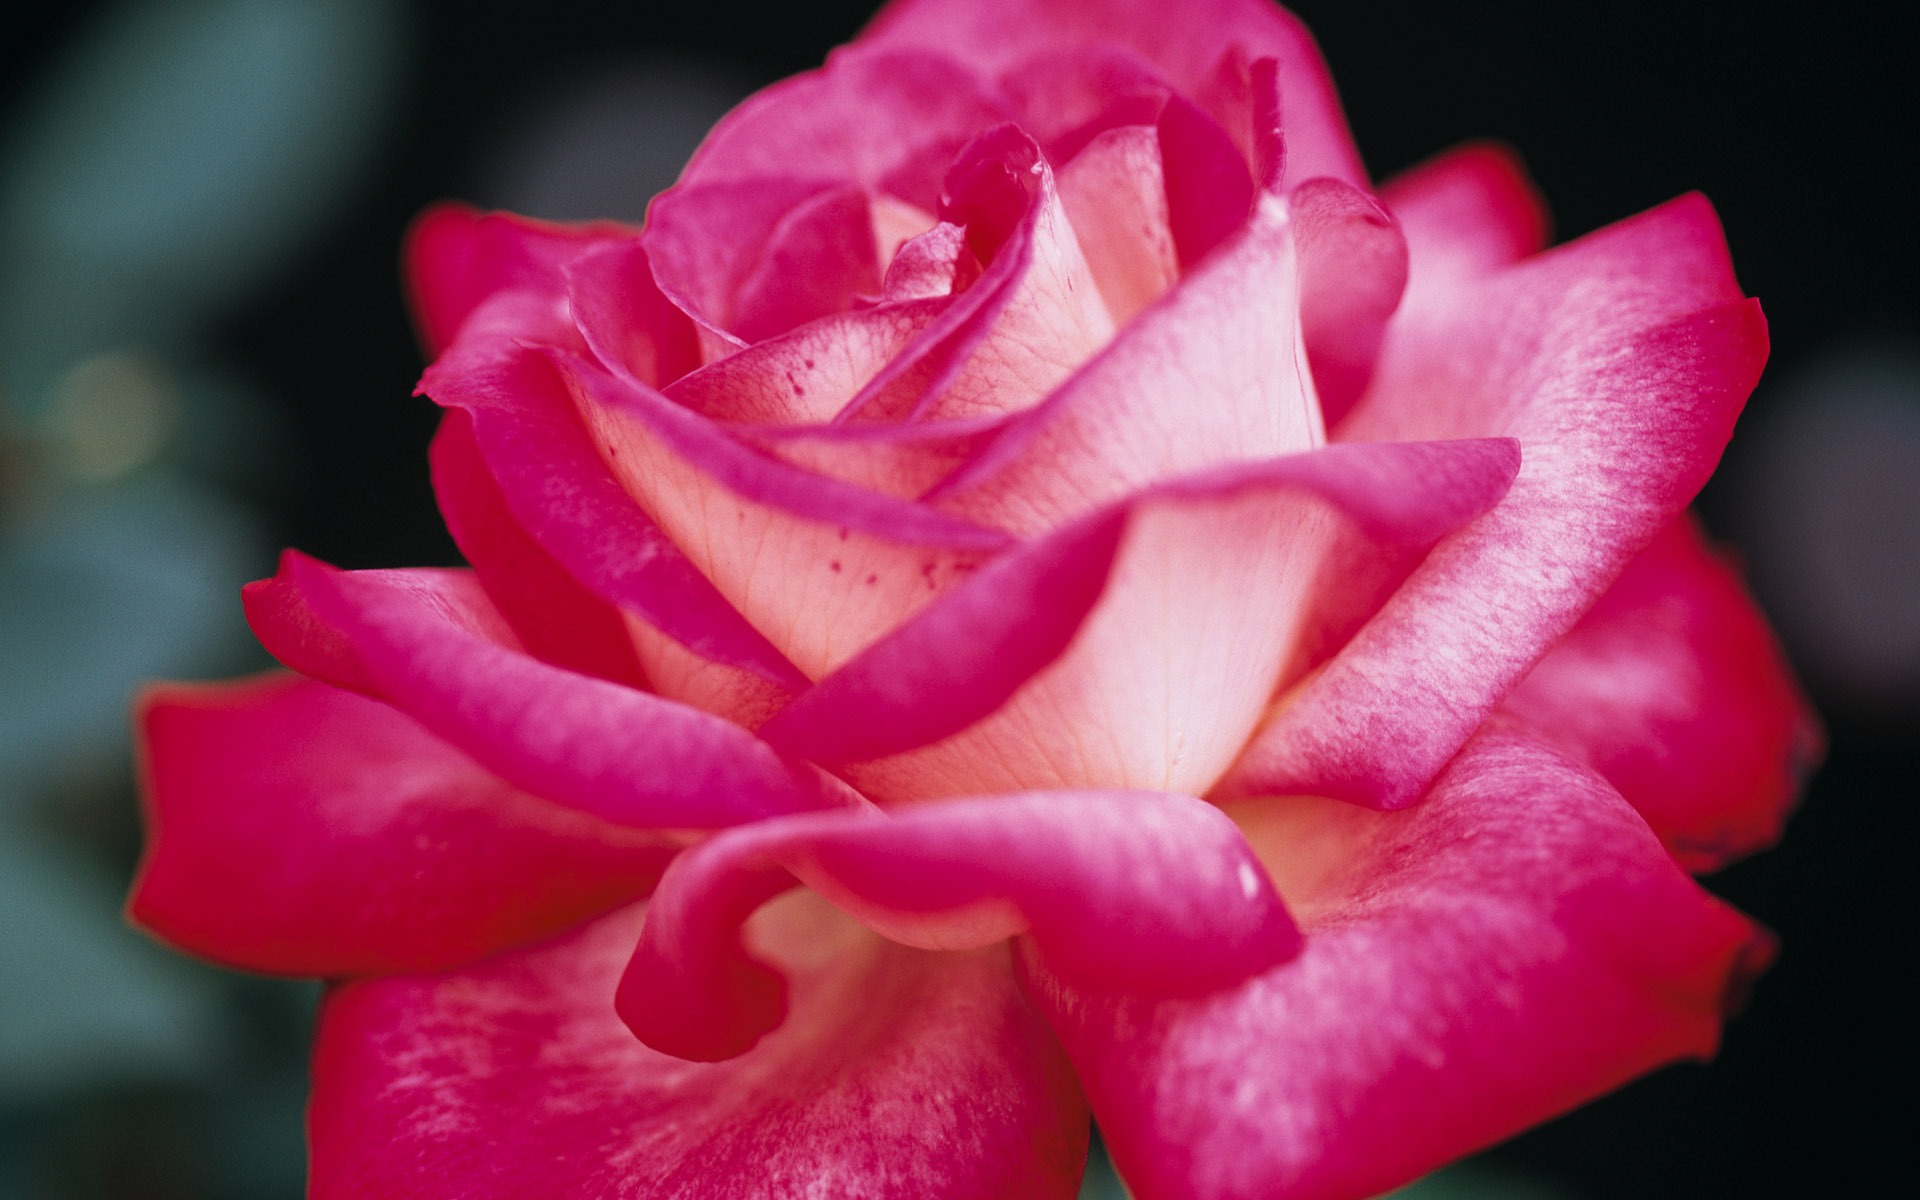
pixel 204 356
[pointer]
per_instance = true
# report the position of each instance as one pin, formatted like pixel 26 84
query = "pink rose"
pixel 1026 587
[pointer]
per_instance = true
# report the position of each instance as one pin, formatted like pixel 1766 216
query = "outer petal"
pixel 1512 947
pixel 901 1074
pixel 430 644
pixel 750 258
pixel 298 829
pixel 618 309
pixel 1674 689
pixel 1139 890
pixel 889 119
pixel 1466 214
pixel 551 614
pixel 1138 647
pixel 457 257
pixel 1187 42
pixel 1620 362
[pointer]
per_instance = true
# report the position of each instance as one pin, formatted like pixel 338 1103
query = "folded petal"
pixel 1353 269
pixel 1515 945
pixel 429 643
pixel 1138 647
pixel 1032 316
pixel 619 310
pixel 806 376
pixel 901 1074
pixel 1209 190
pixel 1620 362
pixel 551 614
pixel 1115 193
pixel 1142 891
pixel 297 829
pixel 1465 214
pixel 1186 41
pixel 820 566
pixel 1676 691
pixel 1213 373
pixel 456 257
pixel 750 258
pixel 887 119
pixel 530 452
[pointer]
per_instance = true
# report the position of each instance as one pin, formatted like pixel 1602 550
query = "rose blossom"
pixel 1026 586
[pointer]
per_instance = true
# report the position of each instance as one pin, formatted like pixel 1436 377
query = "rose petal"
pixel 456 257
pixel 1186 41
pixel 620 312
pixel 1066 97
pixel 821 567
pixel 1033 315
pixel 1674 688
pixel 906 460
pixel 783 389
pixel 1212 373
pixel 1620 362
pixel 429 643
pixel 1515 945
pixel 1465 214
pixel 808 375
pixel 887 119
pixel 751 258
pixel 297 829
pixel 1114 192
pixel 1138 890
pixel 1138 647
pixel 550 613
pixel 1353 268
pixel 901 1074
pixel 1209 192
pixel 934 261
pixel 527 435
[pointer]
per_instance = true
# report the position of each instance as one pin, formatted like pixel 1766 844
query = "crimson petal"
pixel 456 257
pixel 1139 890
pixel 1515 945
pixel 526 434
pixel 551 614
pixel 297 829
pixel 1674 688
pixel 428 642
pixel 902 1074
